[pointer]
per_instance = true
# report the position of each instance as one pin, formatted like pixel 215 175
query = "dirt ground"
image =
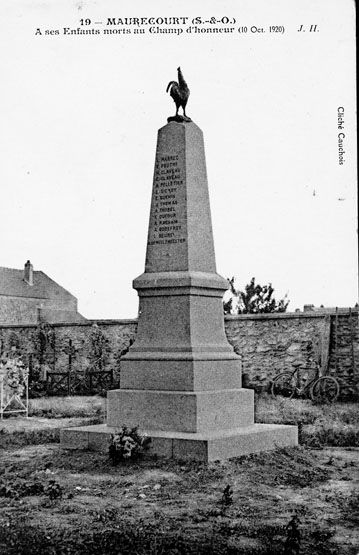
pixel 56 502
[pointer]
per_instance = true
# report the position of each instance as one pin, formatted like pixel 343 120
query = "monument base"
pixel 205 447
pixel 181 411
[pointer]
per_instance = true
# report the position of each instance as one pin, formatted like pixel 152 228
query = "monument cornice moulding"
pixel 205 280
pixel 184 354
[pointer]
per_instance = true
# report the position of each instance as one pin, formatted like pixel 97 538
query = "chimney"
pixel 29 273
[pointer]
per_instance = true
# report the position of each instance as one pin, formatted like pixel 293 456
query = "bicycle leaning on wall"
pixel 320 389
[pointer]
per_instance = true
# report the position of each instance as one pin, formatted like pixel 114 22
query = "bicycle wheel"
pixel 284 384
pixel 324 390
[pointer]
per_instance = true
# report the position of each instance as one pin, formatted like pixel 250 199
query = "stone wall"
pixel 70 347
pixel 267 343
pixel 270 343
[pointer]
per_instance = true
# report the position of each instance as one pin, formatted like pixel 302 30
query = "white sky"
pixel 79 119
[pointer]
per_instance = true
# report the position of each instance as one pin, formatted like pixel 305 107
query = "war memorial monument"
pixel 181 380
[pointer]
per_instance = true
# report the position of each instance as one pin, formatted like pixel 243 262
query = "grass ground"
pixel 335 425
pixel 67 407
pixel 59 502
pixel 47 415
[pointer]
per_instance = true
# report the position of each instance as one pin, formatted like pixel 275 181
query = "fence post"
pixel 352 340
pixel 30 367
pixel 70 355
pixel 325 345
pixel 54 352
pixel 336 341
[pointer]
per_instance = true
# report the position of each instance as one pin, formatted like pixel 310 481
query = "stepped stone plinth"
pixel 181 380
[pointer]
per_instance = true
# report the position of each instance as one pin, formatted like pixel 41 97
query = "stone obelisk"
pixel 181 380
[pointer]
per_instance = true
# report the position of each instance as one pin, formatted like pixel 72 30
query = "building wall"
pixel 18 310
pixel 267 344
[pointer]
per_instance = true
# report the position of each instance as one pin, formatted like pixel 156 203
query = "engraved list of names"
pixel 167 230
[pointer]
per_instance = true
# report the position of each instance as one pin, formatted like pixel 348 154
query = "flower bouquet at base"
pixel 13 381
pixel 128 444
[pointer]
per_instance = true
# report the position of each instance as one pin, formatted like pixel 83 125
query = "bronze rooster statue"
pixel 180 94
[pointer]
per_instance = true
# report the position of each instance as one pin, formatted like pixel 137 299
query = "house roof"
pixel 12 284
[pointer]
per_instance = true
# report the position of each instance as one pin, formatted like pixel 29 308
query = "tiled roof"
pixel 12 284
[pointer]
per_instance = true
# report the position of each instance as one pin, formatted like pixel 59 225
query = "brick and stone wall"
pixel 267 343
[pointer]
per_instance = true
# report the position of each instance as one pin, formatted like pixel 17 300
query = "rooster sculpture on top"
pixel 180 94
